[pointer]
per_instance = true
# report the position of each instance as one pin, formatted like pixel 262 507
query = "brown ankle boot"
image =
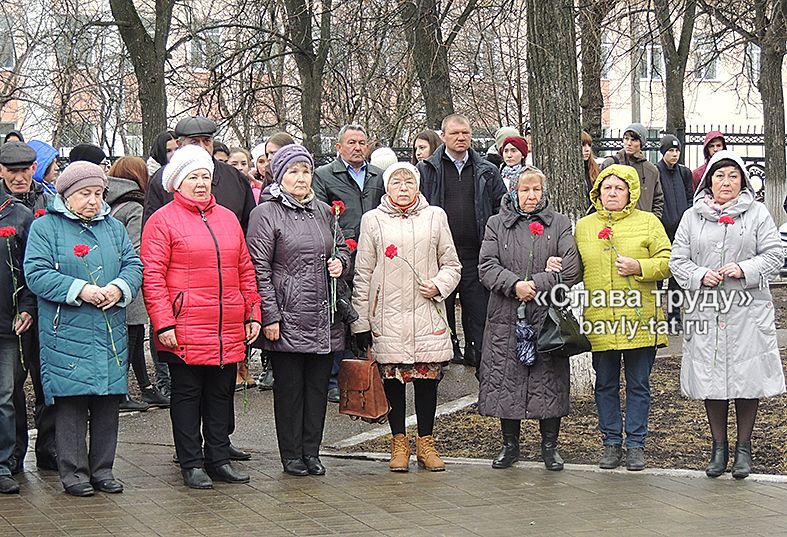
pixel 427 454
pixel 400 453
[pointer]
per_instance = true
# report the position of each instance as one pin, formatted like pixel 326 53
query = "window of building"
pixel 706 60
pixel 651 62
pixel 752 60
pixel 7 50
pixel 206 48
pixel 606 56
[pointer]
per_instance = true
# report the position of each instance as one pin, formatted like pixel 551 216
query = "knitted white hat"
pixel 401 166
pixel 184 161
pixel 256 153
pixel 382 157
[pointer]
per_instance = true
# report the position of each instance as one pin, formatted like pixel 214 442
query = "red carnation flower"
pixel 536 229
pixel 726 220
pixel 81 250
pixel 351 244
pixel 337 207
pixel 8 231
pixel 391 251
pixel 39 213
pixel 605 233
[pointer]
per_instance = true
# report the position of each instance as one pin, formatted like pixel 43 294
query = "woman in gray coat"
pixel 514 264
pixel 726 247
pixel 291 242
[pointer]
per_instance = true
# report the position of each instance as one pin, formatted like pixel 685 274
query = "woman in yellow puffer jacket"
pixel 625 253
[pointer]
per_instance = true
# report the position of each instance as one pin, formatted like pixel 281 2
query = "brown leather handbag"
pixel 361 390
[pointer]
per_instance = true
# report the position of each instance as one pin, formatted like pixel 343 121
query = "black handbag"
pixel 560 335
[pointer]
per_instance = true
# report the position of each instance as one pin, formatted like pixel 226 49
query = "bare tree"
pixel 148 54
pixel 669 15
pixel 591 17
pixel 764 24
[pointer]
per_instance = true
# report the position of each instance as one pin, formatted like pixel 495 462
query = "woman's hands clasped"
pixel 713 278
pixel 101 297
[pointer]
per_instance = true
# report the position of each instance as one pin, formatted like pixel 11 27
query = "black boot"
pixel 458 358
pixel 472 356
pixel 741 468
pixel 718 459
pixel 549 431
pixel 510 452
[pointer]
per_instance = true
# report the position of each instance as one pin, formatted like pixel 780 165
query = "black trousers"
pixel 136 354
pixel 299 401
pixel 44 416
pixel 200 399
pixel 475 298
pixel 75 462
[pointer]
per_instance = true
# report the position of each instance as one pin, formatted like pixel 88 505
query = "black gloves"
pixel 363 340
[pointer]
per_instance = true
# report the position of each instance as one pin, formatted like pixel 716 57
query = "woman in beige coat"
pixel 406 266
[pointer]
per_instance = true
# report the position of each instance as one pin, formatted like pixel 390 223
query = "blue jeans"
pixel 638 364
pixel 9 357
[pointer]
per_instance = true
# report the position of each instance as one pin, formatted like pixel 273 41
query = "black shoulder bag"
pixel 560 335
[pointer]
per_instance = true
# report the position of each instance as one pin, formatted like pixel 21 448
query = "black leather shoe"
pixel 741 468
pixel 153 397
pixel 47 462
pixel 471 356
pixel 333 395
pixel 196 478
pixel 81 490
pixel 458 357
pixel 295 467
pixel 718 459
pixel 314 465
pixel 238 454
pixel 550 428
pixel 227 474
pixel 8 485
pixel 611 457
pixel 635 459
pixel 131 405
pixel 111 486
pixel 510 430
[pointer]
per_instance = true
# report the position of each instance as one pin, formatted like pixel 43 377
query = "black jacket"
pixel 14 214
pixel 230 187
pixel 332 182
pixel 676 184
pixel 35 199
pixel 489 186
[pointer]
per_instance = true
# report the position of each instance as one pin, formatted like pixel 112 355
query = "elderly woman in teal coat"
pixel 83 268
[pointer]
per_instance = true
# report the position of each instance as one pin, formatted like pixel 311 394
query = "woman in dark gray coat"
pixel 515 263
pixel 291 239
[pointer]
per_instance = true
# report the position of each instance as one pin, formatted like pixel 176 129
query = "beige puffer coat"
pixel 406 328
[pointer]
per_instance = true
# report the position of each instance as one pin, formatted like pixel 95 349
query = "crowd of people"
pixel 216 250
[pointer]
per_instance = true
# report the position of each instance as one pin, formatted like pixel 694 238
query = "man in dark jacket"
pixel 17 311
pixel 676 184
pixel 231 189
pixel 350 179
pixel 469 189
pixel 18 163
pixel 229 186
pixel 651 197
pixel 359 185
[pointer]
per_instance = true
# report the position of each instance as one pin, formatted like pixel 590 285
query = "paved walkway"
pixel 363 498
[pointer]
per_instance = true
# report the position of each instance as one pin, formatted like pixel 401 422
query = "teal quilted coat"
pixel 78 356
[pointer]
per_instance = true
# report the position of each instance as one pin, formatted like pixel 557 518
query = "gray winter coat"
pixel 290 245
pixel 126 198
pixel 734 354
pixel 651 196
pixel 507 388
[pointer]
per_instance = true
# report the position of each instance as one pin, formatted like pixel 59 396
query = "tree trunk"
pixel 148 55
pixel 772 92
pixel 591 18
pixel 310 62
pixel 430 56
pixel 553 85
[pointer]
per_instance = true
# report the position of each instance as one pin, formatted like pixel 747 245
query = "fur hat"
pixel 286 157
pixel 401 166
pixel 185 160
pixel 78 175
pixel 383 157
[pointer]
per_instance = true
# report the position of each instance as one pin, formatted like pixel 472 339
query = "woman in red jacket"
pixel 201 295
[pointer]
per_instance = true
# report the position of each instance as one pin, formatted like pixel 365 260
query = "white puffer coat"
pixel 406 328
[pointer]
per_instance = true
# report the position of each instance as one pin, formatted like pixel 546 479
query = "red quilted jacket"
pixel 198 279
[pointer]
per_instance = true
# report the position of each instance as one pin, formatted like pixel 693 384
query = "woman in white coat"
pixel 405 268
pixel 727 244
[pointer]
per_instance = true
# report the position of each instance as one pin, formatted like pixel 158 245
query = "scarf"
pixel 510 174
pixel 716 206
pixel 287 199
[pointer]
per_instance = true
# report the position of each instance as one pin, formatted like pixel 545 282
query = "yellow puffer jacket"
pixel 636 234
